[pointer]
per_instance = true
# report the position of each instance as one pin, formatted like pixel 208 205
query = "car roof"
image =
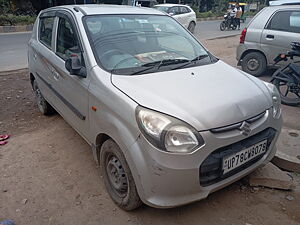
pixel 171 5
pixel 285 2
pixel 95 9
pixel 276 7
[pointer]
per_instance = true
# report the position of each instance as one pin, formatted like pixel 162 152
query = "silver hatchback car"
pixel 167 121
pixel 268 34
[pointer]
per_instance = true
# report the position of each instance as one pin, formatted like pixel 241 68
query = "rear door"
pixel 175 12
pixel 40 49
pixel 184 13
pixel 282 29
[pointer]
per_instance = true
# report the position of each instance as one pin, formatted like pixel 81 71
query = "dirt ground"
pixel 48 176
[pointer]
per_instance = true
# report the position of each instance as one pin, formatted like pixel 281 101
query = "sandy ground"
pixel 48 176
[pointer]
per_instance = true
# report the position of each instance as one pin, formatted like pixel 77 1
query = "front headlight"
pixel 275 99
pixel 168 133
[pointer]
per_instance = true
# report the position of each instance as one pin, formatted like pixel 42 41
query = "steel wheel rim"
pixel 116 175
pixel 253 64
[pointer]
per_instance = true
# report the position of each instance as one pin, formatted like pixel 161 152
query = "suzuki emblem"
pixel 245 128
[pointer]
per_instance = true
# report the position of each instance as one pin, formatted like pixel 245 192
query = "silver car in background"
pixel 182 13
pixel 268 34
pixel 167 121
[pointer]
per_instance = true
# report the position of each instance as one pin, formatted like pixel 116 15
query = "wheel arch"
pixel 32 78
pixel 252 50
pixel 100 139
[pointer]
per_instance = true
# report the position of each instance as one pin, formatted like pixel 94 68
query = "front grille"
pixel 237 125
pixel 211 168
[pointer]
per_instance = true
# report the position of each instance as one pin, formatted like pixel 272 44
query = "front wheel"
pixel 289 90
pixel 117 176
pixel 223 26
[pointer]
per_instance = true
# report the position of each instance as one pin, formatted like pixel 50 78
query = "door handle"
pixel 55 75
pixel 34 56
pixel 270 36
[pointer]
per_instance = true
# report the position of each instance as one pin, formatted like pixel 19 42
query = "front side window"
pixel 45 30
pixel 131 44
pixel 67 43
pixel 288 21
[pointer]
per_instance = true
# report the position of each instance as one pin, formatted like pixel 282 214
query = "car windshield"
pixel 162 8
pixel 139 44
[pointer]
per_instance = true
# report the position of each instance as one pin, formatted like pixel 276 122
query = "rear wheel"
pixel 44 107
pixel 117 177
pixel 289 91
pixel 191 27
pixel 223 26
pixel 254 63
pixel 234 26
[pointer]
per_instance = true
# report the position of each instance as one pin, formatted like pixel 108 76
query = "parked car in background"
pixel 269 33
pixel 167 121
pixel 182 13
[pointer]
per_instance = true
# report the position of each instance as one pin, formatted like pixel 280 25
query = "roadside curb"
pixel 17 71
pixel 221 37
pixel 210 18
pixel 10 29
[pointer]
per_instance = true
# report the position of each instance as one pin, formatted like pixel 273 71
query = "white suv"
pixel 182 13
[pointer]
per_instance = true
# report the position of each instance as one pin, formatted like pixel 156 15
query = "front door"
pixel 280 32
pixel 71 89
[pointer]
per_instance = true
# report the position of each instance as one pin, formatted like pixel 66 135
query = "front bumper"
pixel 167 180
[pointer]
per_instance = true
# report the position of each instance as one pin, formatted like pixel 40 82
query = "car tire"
pixel 191 27
pixel 117 176
pixel 254 63
pixel 44 107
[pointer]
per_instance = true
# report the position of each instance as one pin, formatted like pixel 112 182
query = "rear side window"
pixel 45 30
pixel 288 21
pixel 183 10
pixel 174 10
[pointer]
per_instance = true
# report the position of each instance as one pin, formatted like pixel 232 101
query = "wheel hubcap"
pixel 253 64
pixel 117 176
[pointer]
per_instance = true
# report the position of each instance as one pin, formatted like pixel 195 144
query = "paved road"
pixel 13 47
pixel 13 51
pixel 211 29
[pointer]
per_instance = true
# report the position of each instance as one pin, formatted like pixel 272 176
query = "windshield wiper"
pixel 198 58
pixel 158 64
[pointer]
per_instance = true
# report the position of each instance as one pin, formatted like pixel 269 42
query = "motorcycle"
pixel 228 23
pixel 287 79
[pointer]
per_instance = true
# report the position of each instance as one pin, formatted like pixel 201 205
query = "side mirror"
pixel 74 67
pixel 171 14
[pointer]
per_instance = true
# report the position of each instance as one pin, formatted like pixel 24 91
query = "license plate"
pixel 235 160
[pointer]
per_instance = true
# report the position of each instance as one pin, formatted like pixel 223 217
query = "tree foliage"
pixel 220 5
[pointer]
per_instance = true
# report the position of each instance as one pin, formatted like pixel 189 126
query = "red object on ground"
pixel 3 142
pixel 4 137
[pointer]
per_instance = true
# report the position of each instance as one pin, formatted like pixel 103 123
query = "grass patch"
pixel 12 20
